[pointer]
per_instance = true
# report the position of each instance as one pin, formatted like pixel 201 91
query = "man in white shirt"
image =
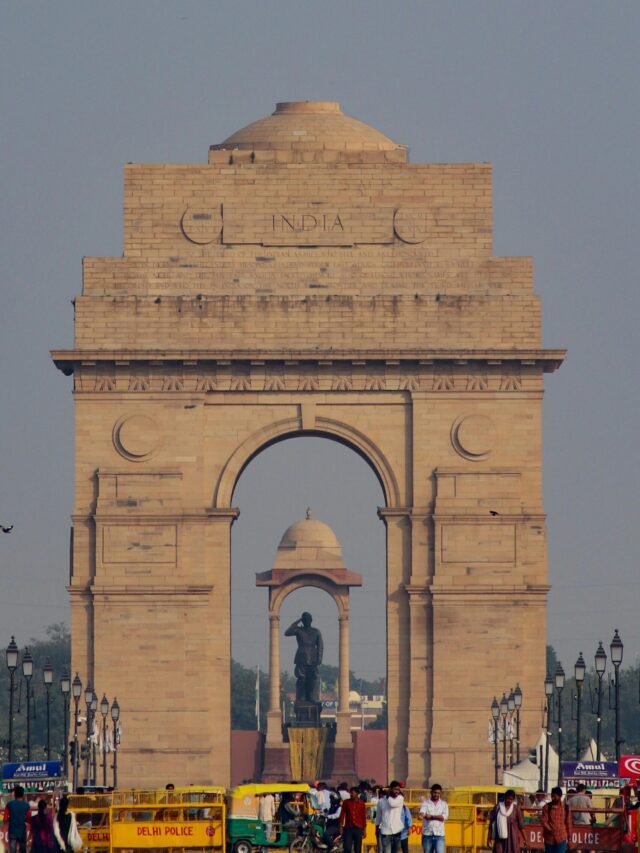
pixel 323 797
pixel 434 812
pixel 389 823
pixel 266 813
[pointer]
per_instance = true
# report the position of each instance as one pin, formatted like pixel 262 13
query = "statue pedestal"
pixel 307 713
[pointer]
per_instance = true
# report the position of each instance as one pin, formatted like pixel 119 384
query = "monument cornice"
pixel 68 360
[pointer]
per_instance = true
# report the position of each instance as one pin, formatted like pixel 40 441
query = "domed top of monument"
pixel 310 126
pixel 309 548
pixel 310 533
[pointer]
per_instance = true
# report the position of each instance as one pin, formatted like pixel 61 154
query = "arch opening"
pixel 275 485
pixel 289 428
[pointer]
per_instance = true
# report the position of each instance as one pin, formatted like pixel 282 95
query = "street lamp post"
pixel 104 710
pixel 616 648
pixel 115 716
pixel 504 710
pixel 601 665
pixel 517 695
pixel 88 699
pixel 12 664
pixel 579 670
pixel 27 671
pixel 548 692
pixel 47 676
pixel 559 682
pixel 495 713
pixel 93 746
pixel 65 689
pixel 76 689
pixel 512 710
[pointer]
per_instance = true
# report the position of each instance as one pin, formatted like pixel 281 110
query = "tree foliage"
pixel 629 710
pixel 56 647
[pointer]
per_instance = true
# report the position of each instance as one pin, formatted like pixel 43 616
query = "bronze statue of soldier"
pixel 306 662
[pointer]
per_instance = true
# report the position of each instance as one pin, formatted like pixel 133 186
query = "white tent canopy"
pixel 526 774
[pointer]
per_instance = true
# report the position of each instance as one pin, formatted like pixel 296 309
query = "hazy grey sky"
pixel 547 91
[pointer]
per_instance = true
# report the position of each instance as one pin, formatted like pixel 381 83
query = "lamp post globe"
pixel 77 687
pixel 12 655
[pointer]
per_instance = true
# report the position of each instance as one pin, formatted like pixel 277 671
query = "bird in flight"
pixel 6 529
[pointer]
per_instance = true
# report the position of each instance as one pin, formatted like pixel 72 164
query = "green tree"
pixel 56 647
pixel 243 697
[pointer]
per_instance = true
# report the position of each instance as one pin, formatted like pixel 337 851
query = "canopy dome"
pixel 310 533
pixel 310 126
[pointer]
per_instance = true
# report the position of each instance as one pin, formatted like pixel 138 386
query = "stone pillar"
pixel 274 723
pixel 343 733
pixel 418 763
pixel 396 520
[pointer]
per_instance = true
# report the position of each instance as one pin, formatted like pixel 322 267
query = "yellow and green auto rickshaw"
pixel 245 830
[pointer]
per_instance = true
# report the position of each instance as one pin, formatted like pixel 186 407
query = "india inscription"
pixel 309 225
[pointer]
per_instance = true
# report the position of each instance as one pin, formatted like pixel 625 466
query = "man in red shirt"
pixel 353 822
pixel 557 825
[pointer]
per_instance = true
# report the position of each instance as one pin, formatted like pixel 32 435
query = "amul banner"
pixel 595 774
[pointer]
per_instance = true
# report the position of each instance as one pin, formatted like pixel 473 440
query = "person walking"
pixel 407 823
pixel 17 815
pixel 389 823
pixel 42 837
pixel 506 825
pixel 65 828
pixel 353 822
pixel 557 824
pixel 267 813
pixel 435 812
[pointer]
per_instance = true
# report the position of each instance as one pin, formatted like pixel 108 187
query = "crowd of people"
pixel 345 811
pixel 49 831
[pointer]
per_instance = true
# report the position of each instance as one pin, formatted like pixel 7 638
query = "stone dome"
pixel 311 126
pixel 310 533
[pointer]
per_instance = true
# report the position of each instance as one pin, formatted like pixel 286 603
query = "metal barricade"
pixel 92 815
pixel 191 818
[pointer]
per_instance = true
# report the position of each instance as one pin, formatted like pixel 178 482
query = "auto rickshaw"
pixel 245 831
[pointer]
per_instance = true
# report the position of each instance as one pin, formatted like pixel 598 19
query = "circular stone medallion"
pixel 412 224
pixel 200 225
pixel 136 437
pixel 473 436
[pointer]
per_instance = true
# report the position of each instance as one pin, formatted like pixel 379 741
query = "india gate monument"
pixel 308 280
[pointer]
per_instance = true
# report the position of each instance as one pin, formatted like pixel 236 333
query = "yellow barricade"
pixel 189 818
pixel 467 826
pixel 92 814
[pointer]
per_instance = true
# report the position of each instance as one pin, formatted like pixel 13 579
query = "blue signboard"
pixel 28 770
pixel 596 774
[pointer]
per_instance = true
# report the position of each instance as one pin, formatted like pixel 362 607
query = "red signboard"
pixel 582 838
pixel 629 768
